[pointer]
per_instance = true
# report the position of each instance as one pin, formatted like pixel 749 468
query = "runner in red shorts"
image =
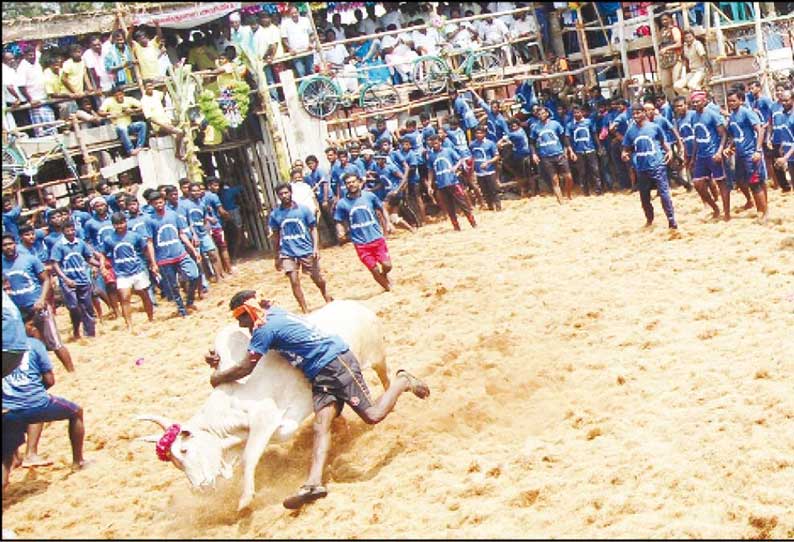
pixel 362 212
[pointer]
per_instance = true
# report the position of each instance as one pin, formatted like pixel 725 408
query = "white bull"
pixel 271 402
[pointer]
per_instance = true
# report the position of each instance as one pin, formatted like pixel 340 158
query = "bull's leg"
pixel 263 422
pixel 382 371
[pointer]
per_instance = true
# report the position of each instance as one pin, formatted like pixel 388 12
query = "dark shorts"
pixel 341 382
pixel 751 173
pixel 706 167
pixel 554 165
pixel 13 436
pixel 57 408
pixel 373 253
pixel 45 323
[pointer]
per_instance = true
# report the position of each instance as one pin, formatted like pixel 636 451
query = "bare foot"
pixel 134 152
pixel 191 309
pixel 82 465
pixel 749 205
pixel 35 461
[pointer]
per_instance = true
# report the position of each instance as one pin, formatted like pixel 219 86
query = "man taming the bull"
pixel 327 362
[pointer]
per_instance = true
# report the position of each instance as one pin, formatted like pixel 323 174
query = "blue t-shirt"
pixel 168 247
pixel 706 136
pixel 294 225
pixel 666 126
pixel 229 196
pixel 496 125
pixel 72 258
pixel 779 122
pixel 195 212
pixel 410 159
pixel 213 204
pixel 443 163
pixel 547 138
pixel 39 248
pixel 126 251
pixel 10 218
pixel 417 142
pixel 646 142
pixel 360 214
pixel 787 138
pixel 581 135
pixel 14 337
pixel 427 131
pixel 667 111
pixel 96 229
pixel 23 275
pixel 386 179
pixel 686 131
pixel 741 125
pixel 113 202
pixel 525 95
pixel 80 218
pixel 458 139
pixel 140 224
pixel 382 135
pixel 622 121
pixel 317 179
pixel 302 343
pixel 761 105
pixel 483 151
pixel 520 141
pixel 24 388
pixel 464 112
pixel 51 239
pixel 338 174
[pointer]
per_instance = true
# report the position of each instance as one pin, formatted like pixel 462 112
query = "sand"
pixel 590 378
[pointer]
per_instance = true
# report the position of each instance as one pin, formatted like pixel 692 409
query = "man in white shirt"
pixel 493 32
pixel 462 35
pixel 297 36
pixel 241 35
pixel 336 26
pixel 94 59
pixel 392 15
pixel 267 44
pixel 426 41
pixel 367 26
pixel 11 95
pixel 524 29
pixel 496 7
pixel 31 80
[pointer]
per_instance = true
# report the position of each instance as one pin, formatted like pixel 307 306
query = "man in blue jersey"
pixel 673 139
pixel 584 151
pixel 457 137
pixel 320 181
pixel 216 215
pixel 294 229
pixel 199 220
pixel 763 106
pixel 486 155
pixel 328 364
pixel 127 250
pixel 362 213
pixel 549 153
pixel 747 133
pixel 171 249
pixel 787 149
pixel 70 258
pixel 619 121
pixel 11 214
pixel 443 165
pixel 410 162
pixel 96 228
pixel 29 286
pixel 646 145
pixel 706 165
pixel 463 110
pixel 779 121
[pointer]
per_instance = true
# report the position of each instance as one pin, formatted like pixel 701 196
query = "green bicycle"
pixel 433 74
pixel 322 95
pixel 16 162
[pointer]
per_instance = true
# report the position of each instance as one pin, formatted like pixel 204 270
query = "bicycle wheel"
pixel 485 66
pixel 319 96
pixel 430 74
pixel 378 97
pixel 11 168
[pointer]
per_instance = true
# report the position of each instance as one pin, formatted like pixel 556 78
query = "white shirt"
pixel 97 63
pixel 296 34
pixel 265 37
pixel 496 7
pixel 391 17
pixel 302 194
pixel 464 38
pixel 10 79
pixel 31 76
pixel 367 26
pixel 494 32
pixel 527 26
pixel 428 41
pixel 389 41
pixel 339 33
pixel 336 55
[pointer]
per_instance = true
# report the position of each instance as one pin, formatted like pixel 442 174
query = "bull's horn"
pixel 162 421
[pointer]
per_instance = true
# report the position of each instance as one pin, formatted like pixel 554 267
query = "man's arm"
pixel 315 242
pixel 189 246
pixel 153 267
pixel 48 379
pixel 723 138
pixel 276 245
pixel 341 234
pixel 236 372
pixel 58 271
pixel 46 286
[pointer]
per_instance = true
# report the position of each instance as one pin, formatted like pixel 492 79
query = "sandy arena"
pixel 589 377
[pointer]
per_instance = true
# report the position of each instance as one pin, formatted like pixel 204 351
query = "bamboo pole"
pixel 91 172
pixel 589 75
pixel 603 29
pixel 624 56
pixel 760 52
pixel 654 39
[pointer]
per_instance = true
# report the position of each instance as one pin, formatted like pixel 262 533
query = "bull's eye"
pixel 183 451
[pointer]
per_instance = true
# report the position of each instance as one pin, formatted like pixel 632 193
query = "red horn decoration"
pixel 166 441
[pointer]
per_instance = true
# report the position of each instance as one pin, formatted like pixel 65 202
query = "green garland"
pixel 241 92
pixel 208 104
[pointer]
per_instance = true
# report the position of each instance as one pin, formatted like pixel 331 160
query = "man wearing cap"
pixel 328 364
pixel 96 229
pixel 706 162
